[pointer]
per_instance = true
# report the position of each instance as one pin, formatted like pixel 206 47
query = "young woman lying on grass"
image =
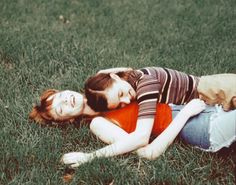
pixel 110 89
pixel 210 130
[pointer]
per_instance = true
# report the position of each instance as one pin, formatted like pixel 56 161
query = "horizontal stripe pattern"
pixel 163 85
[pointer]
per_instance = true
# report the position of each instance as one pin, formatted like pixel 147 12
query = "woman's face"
pixel 66 104
pixel 119 94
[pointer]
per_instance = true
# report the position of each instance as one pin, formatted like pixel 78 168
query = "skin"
pixel 68 104
pixel 115 70
pixel 120 142
pixel 123 142
pixel 120 93
pixel 159 145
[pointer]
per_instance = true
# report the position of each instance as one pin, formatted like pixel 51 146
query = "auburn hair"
pixel 94 86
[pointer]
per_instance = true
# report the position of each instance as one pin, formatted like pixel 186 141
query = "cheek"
pixel 113 103
pixel 69 112
pixel 66 111
pixel 133 93
pixel 53 115
pixel 116 103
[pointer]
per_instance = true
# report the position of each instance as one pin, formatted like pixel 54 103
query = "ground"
pixel 59 43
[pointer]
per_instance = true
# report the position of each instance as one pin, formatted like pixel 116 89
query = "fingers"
pixel 202 104
pixel 76 165
pixel 199 102
pixel 75 159
pixel 70 158
pixel 195 106
pixel 66 160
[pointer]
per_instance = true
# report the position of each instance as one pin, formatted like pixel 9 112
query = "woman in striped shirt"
pixel 108 90
pixel 147 86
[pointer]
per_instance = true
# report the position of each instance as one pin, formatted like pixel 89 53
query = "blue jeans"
pixel 210 130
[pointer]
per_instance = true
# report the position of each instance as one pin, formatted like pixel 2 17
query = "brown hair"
pixel 41 113
pixel 97 83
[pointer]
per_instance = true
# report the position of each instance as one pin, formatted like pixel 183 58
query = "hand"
pixel 75 159
pixel 146 152
pixel 115 70
pixel 194 107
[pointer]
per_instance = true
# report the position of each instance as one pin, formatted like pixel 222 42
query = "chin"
pixel 77 111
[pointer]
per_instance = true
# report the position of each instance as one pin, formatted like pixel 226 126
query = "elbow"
pixel 143 139
pixel 95 124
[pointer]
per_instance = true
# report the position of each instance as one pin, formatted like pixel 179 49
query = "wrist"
pixel 90 156
pixel 185 112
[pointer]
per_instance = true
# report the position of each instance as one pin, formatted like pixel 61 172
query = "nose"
pixel 125 100
pixel 65 100
pixel 130 95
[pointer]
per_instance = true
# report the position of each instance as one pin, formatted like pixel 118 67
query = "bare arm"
pixel 138 138
pixel 115 70
pixel 166 138
pixel 128 143
pixel 106 130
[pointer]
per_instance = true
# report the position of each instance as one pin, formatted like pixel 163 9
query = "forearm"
pixel 161 143
pixel 127 143
pixel 140 138
pixel 115 70
pixel 124 145
pixel 133 141
pixel 166 138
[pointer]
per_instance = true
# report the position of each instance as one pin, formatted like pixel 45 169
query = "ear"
pixel 114 76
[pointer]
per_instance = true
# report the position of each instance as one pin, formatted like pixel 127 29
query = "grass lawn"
pixel 59 43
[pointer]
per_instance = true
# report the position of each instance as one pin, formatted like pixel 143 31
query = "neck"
pixel 88 111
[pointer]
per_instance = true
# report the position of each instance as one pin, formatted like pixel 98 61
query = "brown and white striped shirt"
pixel 161 85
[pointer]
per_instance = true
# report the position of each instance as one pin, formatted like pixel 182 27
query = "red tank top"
pixel 126 117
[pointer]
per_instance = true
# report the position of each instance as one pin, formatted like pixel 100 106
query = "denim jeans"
pixel 210 130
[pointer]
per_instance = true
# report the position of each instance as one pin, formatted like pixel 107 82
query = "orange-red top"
pixel 127 116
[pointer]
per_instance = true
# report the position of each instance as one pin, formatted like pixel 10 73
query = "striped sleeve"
pixel 148 90
pixel 163 85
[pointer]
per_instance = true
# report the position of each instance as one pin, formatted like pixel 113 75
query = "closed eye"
pixel 59 111
pixel 130 93
pixel 121 94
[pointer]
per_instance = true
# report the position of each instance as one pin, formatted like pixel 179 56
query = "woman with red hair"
pixel 205 130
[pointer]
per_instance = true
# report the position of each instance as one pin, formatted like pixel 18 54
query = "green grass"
pixel 40 51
